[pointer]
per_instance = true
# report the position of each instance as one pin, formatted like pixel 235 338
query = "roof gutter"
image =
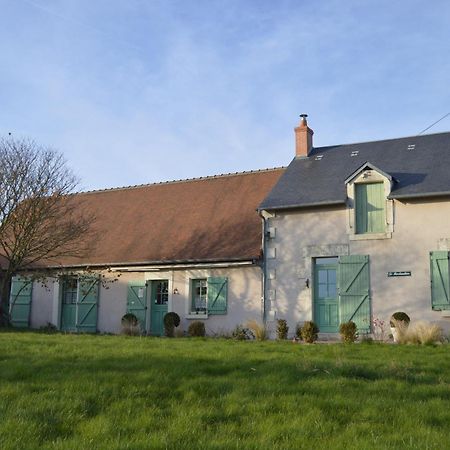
pixel 181 266
pixel 304 205
pixel 421 195
pixel 157 265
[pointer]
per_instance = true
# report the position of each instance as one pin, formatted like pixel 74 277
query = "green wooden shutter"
pixel 87 302
pixel 370 208
pixel 217 295
pixel 20 302
pixel 440 285
pixel 137 301
pixel 354 290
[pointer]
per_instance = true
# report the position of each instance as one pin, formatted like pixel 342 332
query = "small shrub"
pixel 48 328
pixel 241 333
pixel 309 332
pixel 130 325
pixel 399 317
pixel 171 320
pixel 258 329
pixel 348 332
pixel 298 331
pixel 197 329
pixel 282 329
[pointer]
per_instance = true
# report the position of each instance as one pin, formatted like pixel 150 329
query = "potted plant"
pixel 399 323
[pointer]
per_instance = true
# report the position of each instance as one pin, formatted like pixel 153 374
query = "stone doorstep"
pixel 329 337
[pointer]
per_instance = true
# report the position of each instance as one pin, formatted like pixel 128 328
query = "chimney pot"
pixel 303 138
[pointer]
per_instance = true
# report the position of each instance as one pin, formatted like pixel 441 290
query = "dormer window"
pixel 370 208
pixel 370 211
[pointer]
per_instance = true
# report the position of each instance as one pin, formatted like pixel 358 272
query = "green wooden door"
pixel 354 290
pixel 440 285
pixel 20 302
pixel 326 309
pixel 158 309
pixel 137 302
pixel 69 293
pixel 87 303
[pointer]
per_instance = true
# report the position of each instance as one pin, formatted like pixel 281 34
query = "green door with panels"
pixel 159 303
pixel 87 304
pixel 137 302
pixel 326 305
pixel 79 303
pixel 20 302
pixel 342 292
pixel 69 293
pixel 354 290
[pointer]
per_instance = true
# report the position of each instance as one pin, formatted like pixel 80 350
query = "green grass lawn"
pixel 114 392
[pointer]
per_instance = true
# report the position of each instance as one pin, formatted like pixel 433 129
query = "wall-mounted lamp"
pixel 176 291
pixel 307 283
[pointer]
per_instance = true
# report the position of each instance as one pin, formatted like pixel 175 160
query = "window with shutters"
pixel 371 214
pixel 199 296
pixel 209 296
pixel 440 280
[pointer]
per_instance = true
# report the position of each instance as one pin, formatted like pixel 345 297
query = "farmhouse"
pixel 345 232
pixel 193 247
pixel 359 231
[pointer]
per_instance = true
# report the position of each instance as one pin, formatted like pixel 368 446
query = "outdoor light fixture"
pixel 175 291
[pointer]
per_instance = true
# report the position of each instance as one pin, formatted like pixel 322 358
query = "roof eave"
pixel 147 263
pixel 419 195
pixel 302 205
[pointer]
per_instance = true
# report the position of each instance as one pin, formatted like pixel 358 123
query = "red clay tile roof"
pixel 204 219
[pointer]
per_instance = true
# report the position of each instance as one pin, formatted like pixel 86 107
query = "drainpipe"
pixel 265 234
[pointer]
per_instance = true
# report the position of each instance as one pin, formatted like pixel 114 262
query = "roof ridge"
pixel 380 140
pixel 183 180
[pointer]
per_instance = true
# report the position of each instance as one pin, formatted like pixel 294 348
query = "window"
pixel 161 292
pixel 370 210
pixel 440 280
pixel 209 296
pixel 69 291
pixel 370 215
pixel 199 296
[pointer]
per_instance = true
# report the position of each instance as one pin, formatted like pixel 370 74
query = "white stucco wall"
pixel 42 303
pixel 418 228
pixel 244 298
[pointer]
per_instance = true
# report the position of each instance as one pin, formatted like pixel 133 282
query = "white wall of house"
pixel 244 298
pixel 419 227
pixel 42 303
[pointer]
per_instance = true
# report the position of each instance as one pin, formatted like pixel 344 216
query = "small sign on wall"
pixel 403 273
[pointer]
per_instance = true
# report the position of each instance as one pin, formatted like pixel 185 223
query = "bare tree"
pixel 40 218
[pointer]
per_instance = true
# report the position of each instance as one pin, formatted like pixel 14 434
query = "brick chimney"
pixel 303 138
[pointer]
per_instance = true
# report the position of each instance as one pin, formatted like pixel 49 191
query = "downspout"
pixel 265 234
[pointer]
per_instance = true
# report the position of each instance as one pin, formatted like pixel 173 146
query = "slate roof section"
pixel 198 220
pixel 419 165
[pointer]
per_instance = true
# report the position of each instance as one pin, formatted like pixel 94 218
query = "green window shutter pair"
pixel 440 280
pixel 137 301
pixel 354 291
pixel 370 215
pixel 20 302
pixel 217 295
pixel 88 290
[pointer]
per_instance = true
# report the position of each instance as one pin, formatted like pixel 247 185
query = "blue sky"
pixel 138 91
